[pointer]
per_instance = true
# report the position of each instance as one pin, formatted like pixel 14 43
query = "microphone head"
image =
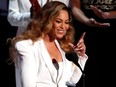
pixel 72 57
pixel 55 63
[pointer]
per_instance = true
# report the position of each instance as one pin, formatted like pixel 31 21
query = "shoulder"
pixel 24 43
pixel 27 44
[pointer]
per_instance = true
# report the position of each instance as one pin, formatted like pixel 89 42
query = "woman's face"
pixel 61 24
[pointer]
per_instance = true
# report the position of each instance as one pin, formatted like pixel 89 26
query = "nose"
pixel 63 25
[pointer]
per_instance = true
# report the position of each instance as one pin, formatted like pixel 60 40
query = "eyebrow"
pixel 61 19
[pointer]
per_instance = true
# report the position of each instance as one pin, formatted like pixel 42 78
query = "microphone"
pixel 74 58
pixel 55 63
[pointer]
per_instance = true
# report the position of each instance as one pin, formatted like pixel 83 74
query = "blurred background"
pixel 7 76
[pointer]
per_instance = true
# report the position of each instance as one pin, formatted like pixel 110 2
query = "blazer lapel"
pixel 46 57
pixel 64 61
pixel 47 60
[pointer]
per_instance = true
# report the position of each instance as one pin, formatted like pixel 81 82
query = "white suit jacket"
pixel 34 67
pixel 19 12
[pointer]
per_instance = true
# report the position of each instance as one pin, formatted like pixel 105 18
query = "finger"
pixel 81 40
pixel 102 24
pixel 95 9
pixel 98 24
pixel 72 45
pixel 79 49
pixel 105 24
pixel 81 44
pixel 82 36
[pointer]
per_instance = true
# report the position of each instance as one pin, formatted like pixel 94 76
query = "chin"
pixel 59 37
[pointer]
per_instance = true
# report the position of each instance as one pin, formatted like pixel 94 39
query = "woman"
pixel 40 50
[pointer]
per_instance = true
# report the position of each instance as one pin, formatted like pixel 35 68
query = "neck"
pixel 48 39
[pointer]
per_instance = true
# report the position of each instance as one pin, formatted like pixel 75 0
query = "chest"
pixel 54 52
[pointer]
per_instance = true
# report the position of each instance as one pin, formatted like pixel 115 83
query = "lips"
pixel 61 31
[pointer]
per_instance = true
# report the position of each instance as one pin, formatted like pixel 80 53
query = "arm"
pixel 77 12
pixel 80 16
pixel 77 72
pixel 27 65
pixel 79 64
pixel 80 49
pixel 102 14
pixel 17 15
pixel 112 14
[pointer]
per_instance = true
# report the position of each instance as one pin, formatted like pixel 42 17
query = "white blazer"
pixel 35 68
pixel 19 12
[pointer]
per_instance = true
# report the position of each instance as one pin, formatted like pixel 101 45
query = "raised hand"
pixel 35 8
pixel 80 47
pixel 99 12
pixel 93 22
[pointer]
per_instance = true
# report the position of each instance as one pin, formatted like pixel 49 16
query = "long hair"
pixel 42 25
pixel 49 12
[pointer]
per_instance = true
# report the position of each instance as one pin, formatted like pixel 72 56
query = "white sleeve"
pixel 76 75
pixel 27 65
pixel 15 16
pixel 82 61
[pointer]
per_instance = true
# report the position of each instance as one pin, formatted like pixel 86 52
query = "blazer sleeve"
pixel 17 17
pixel 27 65
pixel 75 77
pixel 78 60
pixel 82 61
pixel 76 71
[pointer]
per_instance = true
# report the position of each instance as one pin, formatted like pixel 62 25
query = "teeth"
pixel 61 30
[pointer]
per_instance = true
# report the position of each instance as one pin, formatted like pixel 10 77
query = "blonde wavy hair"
pixel 42 25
